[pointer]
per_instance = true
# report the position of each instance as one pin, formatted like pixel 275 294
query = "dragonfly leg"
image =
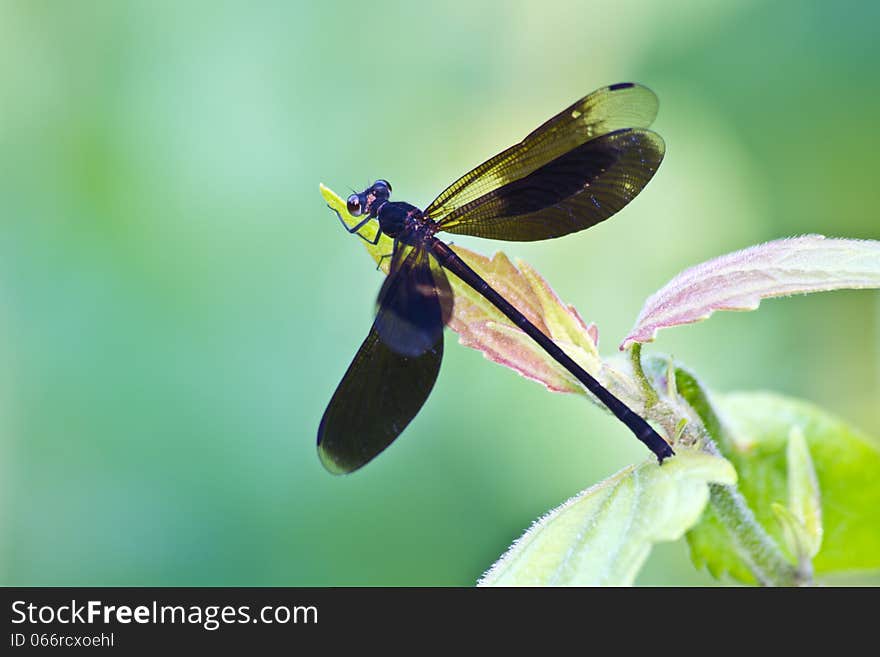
pixel 382 259
pixel 387 255
pixel 374 242
pixel 354 229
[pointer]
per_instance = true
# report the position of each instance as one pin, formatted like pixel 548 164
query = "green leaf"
pixel 804 498
pixel 758 428
pixel 603 535
pixel 797 540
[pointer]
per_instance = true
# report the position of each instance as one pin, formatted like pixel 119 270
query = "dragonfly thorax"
pixel 397 217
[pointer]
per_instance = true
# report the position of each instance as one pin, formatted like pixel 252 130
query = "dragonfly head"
pixel 370 200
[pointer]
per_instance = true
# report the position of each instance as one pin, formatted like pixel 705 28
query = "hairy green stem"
pixel 752 542
pixel 754 546
pixel 647 389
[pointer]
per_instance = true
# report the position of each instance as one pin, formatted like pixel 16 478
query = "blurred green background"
pixel 177 304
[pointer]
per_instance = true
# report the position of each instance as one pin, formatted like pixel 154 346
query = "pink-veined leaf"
pixel 740 280
pixel 481 326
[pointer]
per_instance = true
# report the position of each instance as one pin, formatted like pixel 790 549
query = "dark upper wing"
pixel 573 192
pixel 415 302
pixel 554 163
pixel 378 396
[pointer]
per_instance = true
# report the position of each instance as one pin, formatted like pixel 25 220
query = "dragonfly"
pixel 574 171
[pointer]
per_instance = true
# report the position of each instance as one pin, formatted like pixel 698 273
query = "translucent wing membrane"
pixel 577 190
pixel 378 397
pixel 415 302
pixel 604 111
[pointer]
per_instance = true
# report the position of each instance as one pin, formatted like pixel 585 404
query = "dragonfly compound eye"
pixel 382 188
pixel 355 209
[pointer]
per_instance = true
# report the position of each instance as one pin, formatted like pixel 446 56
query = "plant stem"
pixel 647 389
pixel 752 542
pixel 757 549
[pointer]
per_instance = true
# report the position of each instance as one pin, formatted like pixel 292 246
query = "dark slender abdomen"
pixel 640 428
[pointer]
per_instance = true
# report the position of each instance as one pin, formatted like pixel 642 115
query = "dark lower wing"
pixel 375 401
pixel 415 302
pixel 576 190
